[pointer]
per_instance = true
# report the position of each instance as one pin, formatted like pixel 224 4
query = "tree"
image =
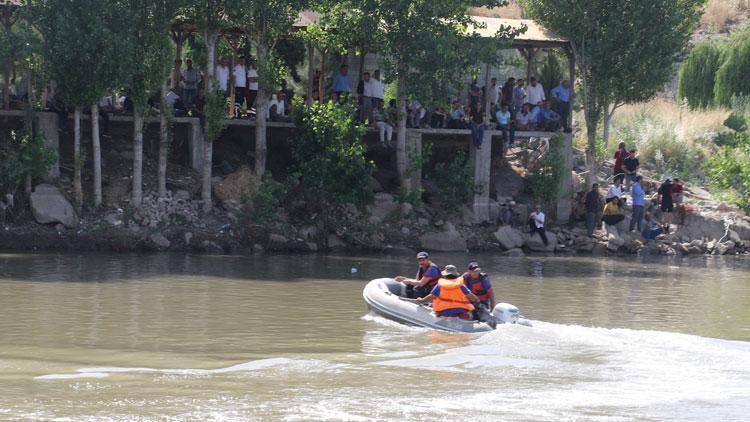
pixel 625 50
pixel 731 78
pixel 265 22
pixel 79 35
pixel 148 62
pixel 210 15
pixel 412 31
pixel 698 75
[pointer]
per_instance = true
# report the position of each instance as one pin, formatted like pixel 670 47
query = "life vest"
pixel 451 296
pixel 476 287
pixel 429 286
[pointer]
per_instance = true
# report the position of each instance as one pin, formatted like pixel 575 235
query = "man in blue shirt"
pixel 548 120
pixel 563 93
pixel 341 83
pixel 638 202
pixel 427 277
pixel 505 124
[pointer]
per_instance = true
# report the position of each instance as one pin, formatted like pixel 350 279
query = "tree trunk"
pixel 97 151
pixel 137 158
pixel 401 159
pixel 607 124
pixel 77 188
pixel 6 85
pixel 211 38
pixel 322 79
pixel 179 40
pixel 163 141
pixel 361 64
pixel 261 108
pixel 487 111
pixel 310 72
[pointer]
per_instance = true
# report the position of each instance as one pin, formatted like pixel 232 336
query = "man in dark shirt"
pixel 593 206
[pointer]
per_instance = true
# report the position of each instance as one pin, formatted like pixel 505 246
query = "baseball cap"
pixel 423 255
pixel 474 266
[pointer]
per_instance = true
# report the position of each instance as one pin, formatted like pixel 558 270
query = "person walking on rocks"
pixel 667 205
pixel 593 207
pixel 536 224
pixel 638 203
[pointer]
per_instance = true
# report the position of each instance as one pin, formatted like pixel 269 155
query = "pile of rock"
pixel 156 210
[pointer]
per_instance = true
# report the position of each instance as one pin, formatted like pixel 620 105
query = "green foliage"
pixel 23 156
pixel 732 78
pixel 729 170
pixel 291 52
pixel 736 122
pixel 732 139
pixel 455 183
pixel 546 180
pixel 551 73
pixel 698 75
pixel 330 157
pixel 215 113
pixel 264 205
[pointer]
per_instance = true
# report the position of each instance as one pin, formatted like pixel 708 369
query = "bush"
pixel 698 75
pixel 731 78
pixel 455 183
pixel 264 205
pixel 736 122
pixel 329 156
pixel 729 170
pixel 732 139
pixel 546 180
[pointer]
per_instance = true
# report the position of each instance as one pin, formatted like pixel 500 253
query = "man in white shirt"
pixel 252 85
pixel 536 224
pixel 240 81
pixel 222 75
pixel 494 92
pixel 366 112
pixel 378 89
pixel 615 191
pixel 535 92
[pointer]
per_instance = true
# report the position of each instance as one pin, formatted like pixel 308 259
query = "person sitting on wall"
pixel 450 297
pixel 548 120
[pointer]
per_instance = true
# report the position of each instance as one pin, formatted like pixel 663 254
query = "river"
pixel 188 337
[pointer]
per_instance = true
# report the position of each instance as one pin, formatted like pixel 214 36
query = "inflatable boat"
pixel 387 297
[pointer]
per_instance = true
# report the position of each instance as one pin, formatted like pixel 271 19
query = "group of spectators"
pixel 669 196
pixel 513 106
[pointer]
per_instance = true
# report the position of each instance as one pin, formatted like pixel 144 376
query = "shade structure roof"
pixel 535 36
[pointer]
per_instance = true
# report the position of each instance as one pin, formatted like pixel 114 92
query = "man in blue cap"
pixel 427 277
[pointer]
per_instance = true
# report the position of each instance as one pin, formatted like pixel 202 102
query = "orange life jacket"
pixel 451 296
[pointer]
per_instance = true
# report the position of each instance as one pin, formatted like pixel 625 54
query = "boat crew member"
pixel 427 277
pixel 451 298
pixel 479 284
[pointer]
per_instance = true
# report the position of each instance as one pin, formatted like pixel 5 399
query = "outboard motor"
pixel 505 313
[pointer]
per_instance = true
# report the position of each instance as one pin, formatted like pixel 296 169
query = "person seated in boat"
pixel 451 298
pixel 479 284
pixel 428 275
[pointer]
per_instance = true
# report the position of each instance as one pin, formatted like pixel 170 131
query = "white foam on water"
pixel 71 376
pixel 101 372
pixel 563 369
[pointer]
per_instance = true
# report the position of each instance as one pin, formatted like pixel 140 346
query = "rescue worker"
pixel 427 277
pixel 451 298
pixel 479 284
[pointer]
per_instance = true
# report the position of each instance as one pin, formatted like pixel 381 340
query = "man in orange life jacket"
pixel 427 277
pixel 479 284
pixel 451 298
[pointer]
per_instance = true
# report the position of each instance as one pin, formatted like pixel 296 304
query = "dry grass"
pixel 689 125
pixel 720 14
pixel 511 11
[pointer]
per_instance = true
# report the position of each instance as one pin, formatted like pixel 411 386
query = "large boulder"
pixel 507 182
pixel 241 183
pixel 449 240
pixel 382 205
pixel 50 206
pixel 159 240
pixel 534 242
pixel 509 237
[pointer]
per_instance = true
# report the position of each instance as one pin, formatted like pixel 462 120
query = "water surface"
pixel 185 337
